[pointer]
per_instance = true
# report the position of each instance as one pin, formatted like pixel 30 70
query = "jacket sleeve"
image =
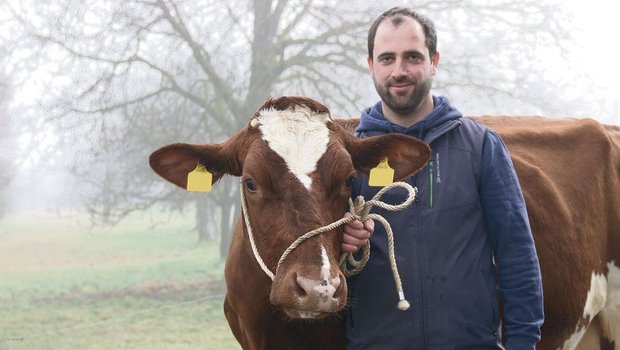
pixel 515 256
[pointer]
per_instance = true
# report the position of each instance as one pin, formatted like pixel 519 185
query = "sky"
pixel 597 52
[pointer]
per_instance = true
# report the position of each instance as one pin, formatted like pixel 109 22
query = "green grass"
pixel 63 286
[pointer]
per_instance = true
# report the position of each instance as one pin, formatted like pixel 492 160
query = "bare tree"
pixel 7 128
pixel 147 73
pixel 135 75
pixel 6 172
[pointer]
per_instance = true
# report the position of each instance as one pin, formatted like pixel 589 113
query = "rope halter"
pixel 361 211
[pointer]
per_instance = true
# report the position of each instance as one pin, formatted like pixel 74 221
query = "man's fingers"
pixel 358 239
pixel 356 234
pixel 369 225
pixel 359 233
pixel 355 224
pixel 348 248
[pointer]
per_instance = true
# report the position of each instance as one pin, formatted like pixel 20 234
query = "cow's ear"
pixel 174 162
pixel 405 154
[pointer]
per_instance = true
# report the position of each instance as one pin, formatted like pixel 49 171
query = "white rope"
pixel 248 227
pixel 360 210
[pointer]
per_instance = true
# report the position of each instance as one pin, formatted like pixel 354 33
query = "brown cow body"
pixel 569 171
pixel 295 163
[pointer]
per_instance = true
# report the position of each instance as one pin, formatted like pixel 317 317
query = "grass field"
pixel 63 286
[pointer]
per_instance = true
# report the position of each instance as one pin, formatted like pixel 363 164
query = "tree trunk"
pixel 229 216
pixel 202 220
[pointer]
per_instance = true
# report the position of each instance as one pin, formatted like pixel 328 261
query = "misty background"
pixel 89 88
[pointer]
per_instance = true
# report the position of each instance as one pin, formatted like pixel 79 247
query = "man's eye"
pixel 250 185
pixel 415 58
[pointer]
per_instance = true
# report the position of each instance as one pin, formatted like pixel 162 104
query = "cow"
pixel 296 165
pixel 569 171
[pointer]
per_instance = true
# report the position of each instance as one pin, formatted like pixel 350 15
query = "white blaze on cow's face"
pixel 325 269
pixel 299 136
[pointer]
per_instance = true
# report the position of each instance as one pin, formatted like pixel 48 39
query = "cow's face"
pixel 296 166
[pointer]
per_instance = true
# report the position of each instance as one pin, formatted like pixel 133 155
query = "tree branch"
pixel 221 89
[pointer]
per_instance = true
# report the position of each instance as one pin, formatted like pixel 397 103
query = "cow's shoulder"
pixel 535 137
pixel 537 125
pixel 565 166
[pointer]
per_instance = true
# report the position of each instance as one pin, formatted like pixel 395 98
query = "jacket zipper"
pixel 430 180
pixel 420 278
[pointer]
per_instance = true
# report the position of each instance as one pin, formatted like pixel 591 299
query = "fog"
pixel 81 79
pixel 88 89
pixel 59 100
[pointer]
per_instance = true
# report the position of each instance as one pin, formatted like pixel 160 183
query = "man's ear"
pixel 405 154
pixel 435 62
pixel 370 65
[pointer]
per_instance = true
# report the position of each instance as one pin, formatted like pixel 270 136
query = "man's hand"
pixel 356 234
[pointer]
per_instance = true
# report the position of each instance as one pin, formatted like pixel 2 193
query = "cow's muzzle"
pixel 309 298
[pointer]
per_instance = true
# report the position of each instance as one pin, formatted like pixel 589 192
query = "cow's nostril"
pixel 297 287
pixel 340 286
pixel 321 288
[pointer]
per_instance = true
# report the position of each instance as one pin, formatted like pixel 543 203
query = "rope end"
pixel 403 305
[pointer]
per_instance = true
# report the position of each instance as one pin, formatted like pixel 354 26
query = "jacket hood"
pixel 373 122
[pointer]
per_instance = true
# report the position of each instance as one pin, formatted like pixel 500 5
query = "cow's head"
pixel 296 165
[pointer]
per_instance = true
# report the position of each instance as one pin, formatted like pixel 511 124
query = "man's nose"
pixel 400 69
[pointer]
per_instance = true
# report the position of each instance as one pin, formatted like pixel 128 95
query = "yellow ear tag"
pixel 199 180
pixel 381 175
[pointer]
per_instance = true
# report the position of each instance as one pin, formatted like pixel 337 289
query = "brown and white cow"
pixel 570 175
pixel 569 171
pixel 295 165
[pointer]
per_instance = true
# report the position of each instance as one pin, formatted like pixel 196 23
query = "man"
pixel 465 242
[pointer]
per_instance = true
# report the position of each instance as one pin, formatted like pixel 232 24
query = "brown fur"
pixel 570 174
pixel 260 312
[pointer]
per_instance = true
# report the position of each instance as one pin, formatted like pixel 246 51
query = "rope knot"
pixel 359 208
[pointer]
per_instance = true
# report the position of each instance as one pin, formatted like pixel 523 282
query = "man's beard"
pixel 406 104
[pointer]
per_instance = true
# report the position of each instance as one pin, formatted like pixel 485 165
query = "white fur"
pixel 325 274
pixel 308 314
pixel 603 300
pixel 299 136
pixel 610 315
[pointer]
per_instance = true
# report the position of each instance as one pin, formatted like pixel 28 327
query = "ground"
pixel 65 286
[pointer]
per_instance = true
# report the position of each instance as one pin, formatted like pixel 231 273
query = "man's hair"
pixel 397 14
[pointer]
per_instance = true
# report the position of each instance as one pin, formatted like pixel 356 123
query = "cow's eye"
pixel 350 180
pixel 250 185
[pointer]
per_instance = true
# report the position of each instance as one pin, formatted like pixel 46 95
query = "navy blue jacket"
pixel 466 241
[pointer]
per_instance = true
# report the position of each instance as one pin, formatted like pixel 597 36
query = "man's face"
pixel 401 68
